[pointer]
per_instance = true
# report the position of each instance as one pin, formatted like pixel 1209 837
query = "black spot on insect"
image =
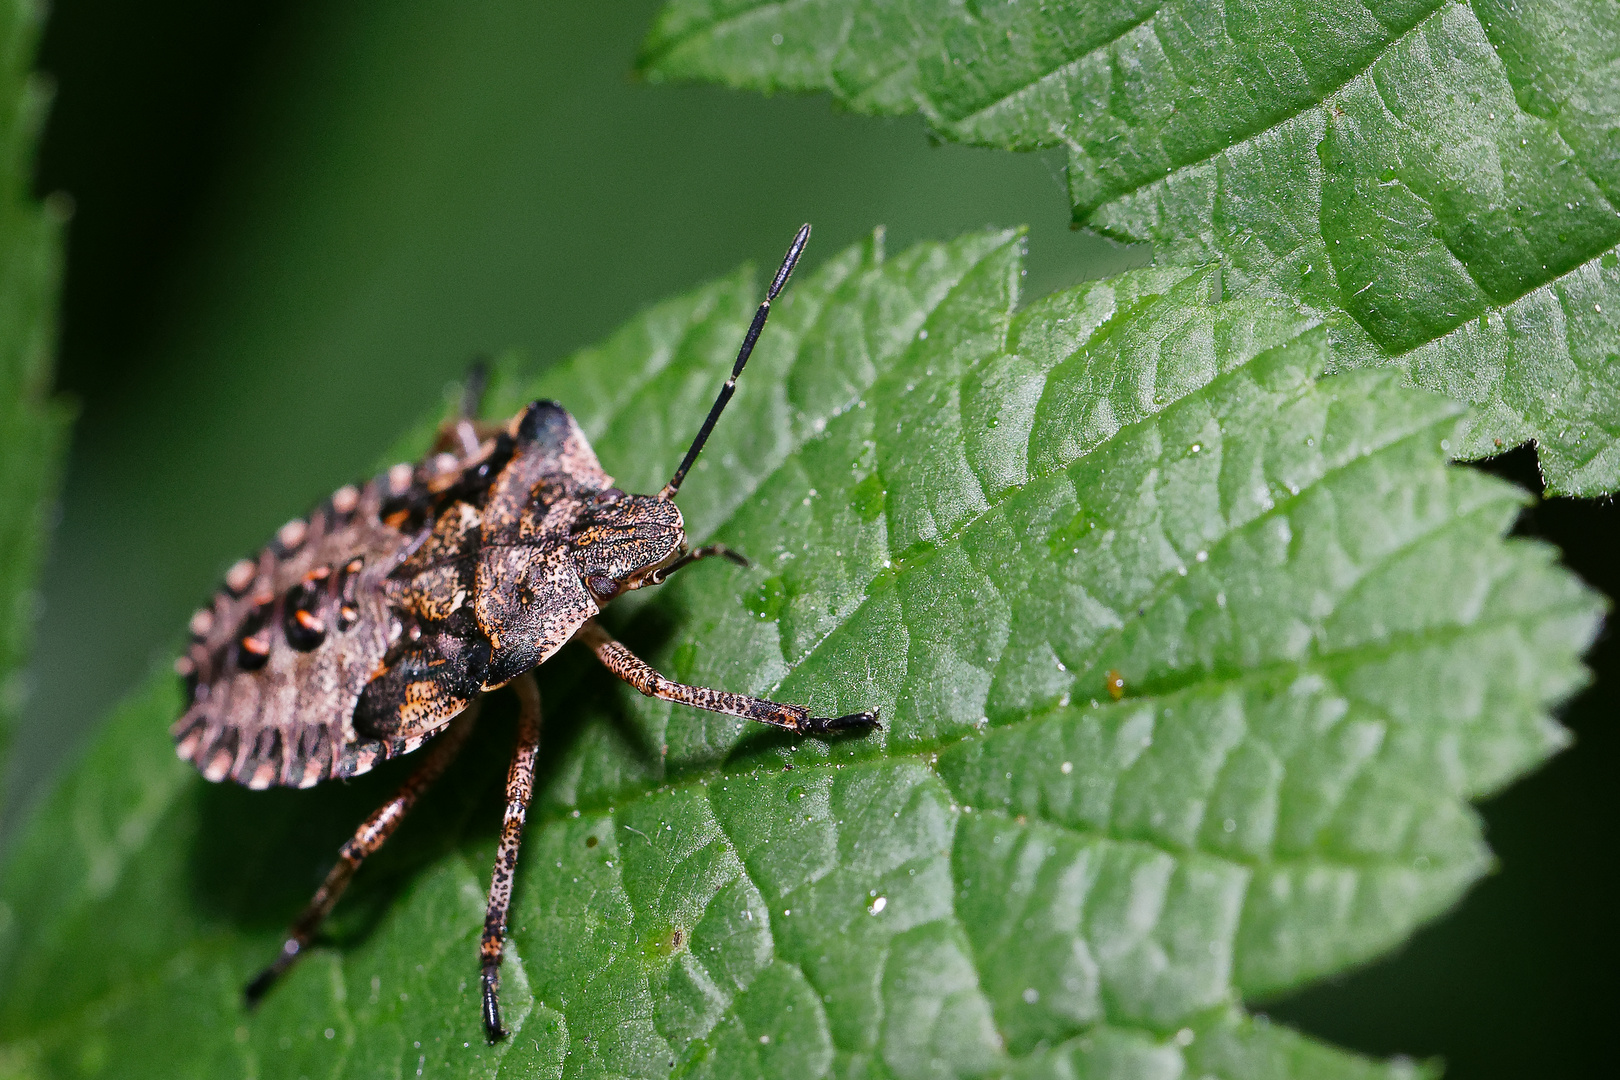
pixel 374 625
pixel 348 594
pixel 305 630
pixel 301 621
pixel 253 640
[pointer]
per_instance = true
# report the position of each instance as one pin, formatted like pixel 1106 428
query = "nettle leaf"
pixel 975 517
pixel 33 428
pixel 1443 173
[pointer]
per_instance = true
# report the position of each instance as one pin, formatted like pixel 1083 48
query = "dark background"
pixel 297 221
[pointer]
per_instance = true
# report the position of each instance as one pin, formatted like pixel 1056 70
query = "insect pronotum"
pixel 374 625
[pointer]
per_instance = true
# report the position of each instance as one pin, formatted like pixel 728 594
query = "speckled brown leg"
pixel 367 839
pixel 519 788
pixel 635 671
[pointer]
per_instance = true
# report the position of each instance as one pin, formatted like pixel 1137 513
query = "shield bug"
pixel 373 626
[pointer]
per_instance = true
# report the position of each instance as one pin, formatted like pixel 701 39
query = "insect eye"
pixel 603 588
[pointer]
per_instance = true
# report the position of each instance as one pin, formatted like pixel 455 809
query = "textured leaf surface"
pixel 967 514
pixel 33 430
pixel 1444 173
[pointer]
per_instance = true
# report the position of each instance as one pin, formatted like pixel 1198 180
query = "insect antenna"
pixel 777 284
pixel 472 389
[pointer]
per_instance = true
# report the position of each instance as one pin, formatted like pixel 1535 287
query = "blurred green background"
pixel 296 223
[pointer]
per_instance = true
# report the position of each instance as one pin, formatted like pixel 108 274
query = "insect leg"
pixel 465 432
pixel 639 674
pixel 366 840
pixel 708 551
pixel 519 788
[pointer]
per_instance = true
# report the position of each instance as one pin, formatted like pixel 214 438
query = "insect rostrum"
pixel 374 625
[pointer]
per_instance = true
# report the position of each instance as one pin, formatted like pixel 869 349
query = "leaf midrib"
pixel 1329 665
pixel 1246 133
pixel 1322 664
pixel 923 754
pixel 1124 30
pixel 1168 580
pixel 1326 664
pixel 699 787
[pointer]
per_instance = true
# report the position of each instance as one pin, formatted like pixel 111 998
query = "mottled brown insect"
pixel 373 626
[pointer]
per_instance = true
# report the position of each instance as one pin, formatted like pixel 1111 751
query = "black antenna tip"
pixel 754 330
pixel 795 249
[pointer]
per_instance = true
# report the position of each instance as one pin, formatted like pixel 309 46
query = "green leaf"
pixel 33 428
pixel 1443 173
pixel 970 515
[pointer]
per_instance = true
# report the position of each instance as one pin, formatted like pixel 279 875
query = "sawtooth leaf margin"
pixel 1437 174
pixel 969 514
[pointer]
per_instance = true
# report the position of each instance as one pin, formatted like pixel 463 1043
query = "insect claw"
pixel 257 988
pixel 473 498
pixel 260 985
pixel 265 979
pixel 867 719
pixel 494 1031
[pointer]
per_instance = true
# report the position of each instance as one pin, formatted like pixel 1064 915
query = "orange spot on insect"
pixel 258 645
pixel 309 622
pixel 1116 684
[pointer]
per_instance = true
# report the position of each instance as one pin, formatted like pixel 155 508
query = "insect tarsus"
pixel 462 579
